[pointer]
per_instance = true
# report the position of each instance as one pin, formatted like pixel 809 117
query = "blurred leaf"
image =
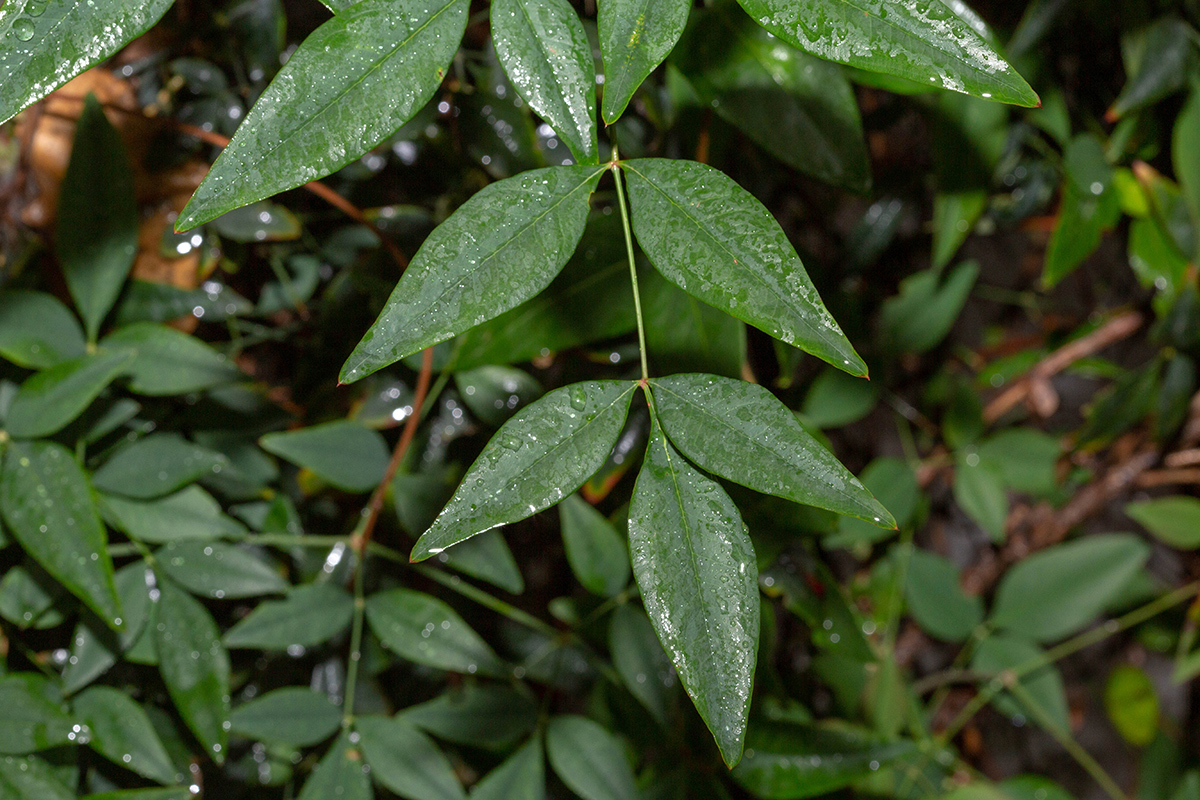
pixel 894 485
pixel 172 793
pixel 954 216
pixel 598 555
pixel 426 631
pixel 1132 704
pixel 1000 652
pixel 28 598
pixel 343 453
pixel 94 647
pixel 489 716
pixel 156 465
pixel 495 393
pixel 37 331
pixel 32 720
pixel 936 599
pixel 923 313
pixel 190 513
pixel 1174 520
pixel 169 362
pixel 640 660
pixel 310 615
pixel 836 399
pixel 1185 142
pixel 292 715
pixel 219 570
pixel 1025 459
pixel 1166 53
pixel 405 761
pixel 589 759
pixel 979 491
pixel 1082 220
pixel 1174 396
pixel 51 399
pixel 341 774
pixel 258 222
pixel 1121 407
pixel 521 777
pixel 1160 768
pixel 635 37
pixel 1033 787
pixel 31 778
pixel 685 335
pixel 488 558
pixel 122 733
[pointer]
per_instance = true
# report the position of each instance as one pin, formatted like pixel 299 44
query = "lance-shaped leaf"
pixel 521 777
pixel 589 759
pixel 294 715
pixel 697 571
pixel 349 85
pixel 45 44
pixel 500 248
pixel 922 40
pixel 426 631
pixel 541 455
pixel 49 509
pixel 122 733
pixel 635 37
pixel 406 761
pixel 545 52
pixel 710 237
pixel 52 398
pixel 341 774
pixel 741 432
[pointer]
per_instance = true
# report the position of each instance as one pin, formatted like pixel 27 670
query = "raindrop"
pixel 23 30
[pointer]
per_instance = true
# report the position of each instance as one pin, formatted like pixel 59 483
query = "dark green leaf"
pixel 954 216
pixel 173 793
pixel 596 552
pixel 640 659
pixel 94 648
pixel 122 733
pixel 545 52
pixel 589 760
pixel 191 513
pixel 1174 520
pixel 341 774
pixel 168 362
pixel 635 37
pixel 979 491
pixel 194 666
pixel 1082 221
pixel 351 83
pixel 1166 50
pixel 49 400
pixel 1000 652
pixel 521 777
pixel 310 615
pixel 28 597
pixel 741 432
pixel 219 570
pixel 426 631
pixel 500 248
pixel 37 331
pixel 699 579
pixel 32 720
pixel 343 453
pixel 31 779
pixel 292 715
pixel 686 335
pixel 922 314
pixel 709 236
pixel 538 457
pixel 1055 592
pixel 495 393
pixel 258 222
pixel 156 465
pixel 490 716
pixel 1185 141
pixel 48 506
pixel 924 41
pixel 936 599
pixel 487 558
pixel 838 399
pixel 405 761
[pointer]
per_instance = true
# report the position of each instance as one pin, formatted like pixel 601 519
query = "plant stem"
pixel 457 584
pixel 637 297
pixel 356 631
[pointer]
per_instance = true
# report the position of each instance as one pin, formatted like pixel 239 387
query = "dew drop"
pixel 23 30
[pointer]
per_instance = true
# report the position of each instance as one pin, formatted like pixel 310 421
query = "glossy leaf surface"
pixel 537 458
pixel 714 240
pixel 344 453
pixel 51 399
pixel 37 331
pixel 698 574
pixel 293 715
pixel 589 759
pixel 122 733
pixel 635 37
pixel 219 570
pixel 405 760
pixel 349 85
pixel 166 361
pixel 597 554
pixel 499 248
pixel 426 631
pixel 308 616
pixel 156 465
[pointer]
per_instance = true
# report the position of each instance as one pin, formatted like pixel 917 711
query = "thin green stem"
pixel 457 584
pixel 356 632
pixel 637 296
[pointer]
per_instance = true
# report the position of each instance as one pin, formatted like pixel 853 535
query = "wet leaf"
pixel 1174 520
pixel 589 760
pixel 341 774
pixel 521 777
pixel 37 331
pixel 349 85
pixel 640 659
pixel 48 507
pixel 32 720
pixel 53 398
pixel 405 761
pixel 715 241
pixel 344 453
pixel 122 733
pixel 699 579
pixel 538 457
pixel 597 554
pixel 293 715
pixel 635 37
pixel 94 647
pixel 478 715
pixel 426 631
pixel 166 361
pixel 156 465
pixel 31 779
pixel 495 393
pixel 499 248
pixel 936 599
pixel 310 615
pixel 190 513
pixel 219 570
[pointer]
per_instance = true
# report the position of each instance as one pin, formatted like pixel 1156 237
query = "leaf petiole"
pixel 615 166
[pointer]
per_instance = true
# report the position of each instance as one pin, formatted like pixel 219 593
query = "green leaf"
pixel 349 85
pixel 28 598
pixel 1082 221
pixel 194 666
pixel 836 399
pixel 405 761
pixel 48 506
pixel 31 779
pixel 156 465
pixel 219 570
pixel 954 216
pixel 489 716
pixel 43 45
pixel 122 733
pixel 37 331
pixel 190 513
pixel 710 237
pixel 741 432
pixel 344 453
pixel 169 362
pixel 521 777
pixel 699 579
pixel 922 40
pixel 686 335
pixel 94 647
pixel 341 774
pixel 795 106
pixel 1167 53
pixel 979 491
pixel 894 484
pixel 922 314
pixel 308 616
pixel 292 715
pixel 589 760
pixel 1132 704
pixel 494 393
pixel 635 37
pixel 32 720
pixel 426 631
pixel 1024 458
pixel 97 230
pixel 258 222
pixel 1000 652
pixel 640 659
pixel 538 457
pixel 499 248
pixel 597 554
pixel 1184 142
pixel 172 793
pixel 936 600
pixel 487 558
pixel 1174 520
pixel 545 52
pixel 53 398
pixel 1057 591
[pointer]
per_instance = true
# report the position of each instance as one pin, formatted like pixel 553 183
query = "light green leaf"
pixel 190 513
pixel 349 85
pixel 635 37
pixel 699 579
pixel 499 248
pixel 740 431
pixel 1055 592
pixel 194 666
pixel 597 554
pixel 31 779
pixel 521 777
pixel 937 601
pixel 344 453
pixel 122 733
pixel 589 760
pixel 979 491
pixel 640 659
pixel 921 40
pixel 32 719
pixel 53 398
pixel 293 715
pixel 836 399
pixel 1024 458
pixel 37 331
pixel 922 314
pixel 219 570
pixel 894 484
pixel 426 631
pixel 156 465
pixel 1174 520
pixel 538 457
pixel 308 616
pixel 48 507
pixel 715 241
pixel 405 761
pixel 1132 704
pixel 341 774
pixel 43 45
pixel 1000 652
pixel 166 361
pixel 478 715
pixel 545 52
